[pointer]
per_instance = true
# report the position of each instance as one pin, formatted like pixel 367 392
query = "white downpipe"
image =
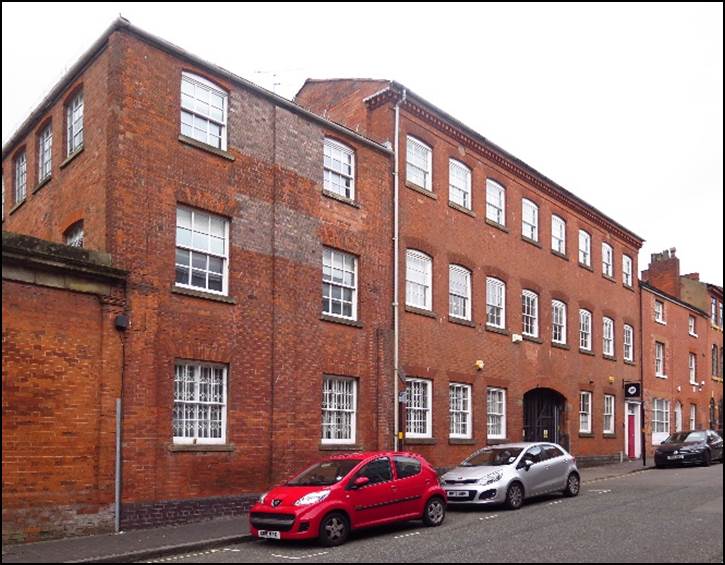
pixel 396 273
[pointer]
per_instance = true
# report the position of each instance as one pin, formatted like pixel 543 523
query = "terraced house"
pixel 271 277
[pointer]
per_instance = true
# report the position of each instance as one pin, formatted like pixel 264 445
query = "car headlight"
pixel 491 478
pixel 261 497
pixel 313 498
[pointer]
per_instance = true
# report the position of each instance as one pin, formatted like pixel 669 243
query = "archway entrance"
pixel 544 416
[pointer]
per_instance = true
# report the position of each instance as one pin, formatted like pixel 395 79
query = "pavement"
pixel 153 543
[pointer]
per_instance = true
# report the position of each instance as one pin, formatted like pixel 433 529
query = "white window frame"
pixel 460 293
pixel 607 260
pixel 585 412
pixel 627 270
pixel 20 190
pixel 530 312
pixel 190 104
pixel 425 407
pixel 495 302
pixel 628 340
pixel 585 330
pixel 337 157
pixel 692 326
pixel 495 202
pixel 459 193
pixel 460 411
pixel 585 248
pixel 661 416
pixel 196 401
pixel 191 249
pixel 558 322
pixel 74 124
pixel 693 417
pixel 412 169
pixel 558 234
pixel 426 275
pixel 692 367
pixel 339 402
pixel 45 152
pixel 608 336
pixel 660 369
pixel 609 414
pixel 659 310
pixel 529 219
pixel 713 310
pixel 496 412
pixel 339 271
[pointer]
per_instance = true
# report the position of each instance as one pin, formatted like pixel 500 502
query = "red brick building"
pixel 682 338
pixel 230 208
pixel 517 302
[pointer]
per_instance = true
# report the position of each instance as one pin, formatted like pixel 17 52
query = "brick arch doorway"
pixel 545 416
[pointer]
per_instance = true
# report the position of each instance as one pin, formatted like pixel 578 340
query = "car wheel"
pixel 706 459
pixel 573 485
pixel 514 496
pixel 435 512
pixel 334 529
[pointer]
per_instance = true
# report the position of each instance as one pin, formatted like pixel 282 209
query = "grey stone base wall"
pixel 175 512
pixel 51 522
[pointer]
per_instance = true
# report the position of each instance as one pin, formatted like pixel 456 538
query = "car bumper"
pixel 290 523
pixel 476 494
pixel 663 459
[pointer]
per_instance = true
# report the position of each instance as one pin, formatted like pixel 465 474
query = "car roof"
pixel 370 454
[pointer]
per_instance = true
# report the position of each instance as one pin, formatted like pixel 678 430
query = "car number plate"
pixel 673 457
pixel 269 534
pixel 457 493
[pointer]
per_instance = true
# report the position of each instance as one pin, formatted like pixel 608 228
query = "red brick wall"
pixel 61 376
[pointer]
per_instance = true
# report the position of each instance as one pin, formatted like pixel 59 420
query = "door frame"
pixel 638 426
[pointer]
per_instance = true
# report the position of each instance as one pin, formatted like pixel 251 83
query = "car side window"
pixel 551 452
pixel 534 454
pixel 406 467
pixel 377 471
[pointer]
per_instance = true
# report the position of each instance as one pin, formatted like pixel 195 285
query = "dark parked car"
pixel 699 446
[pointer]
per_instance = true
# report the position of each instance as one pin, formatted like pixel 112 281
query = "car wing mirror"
pixel 360 482
pixel 527 464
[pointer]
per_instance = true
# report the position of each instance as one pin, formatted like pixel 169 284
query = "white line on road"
pixel 299 557
pixel 406 535
pixel 185 556
pixel 491 517
pixel 600 490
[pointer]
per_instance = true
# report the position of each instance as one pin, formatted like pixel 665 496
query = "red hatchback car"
pixel 347 492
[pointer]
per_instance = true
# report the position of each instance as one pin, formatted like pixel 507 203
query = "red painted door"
pixel 631 438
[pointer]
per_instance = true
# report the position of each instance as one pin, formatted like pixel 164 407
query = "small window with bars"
pixel 339 284
pixel 339 410
pixel 200 403
pixel 460 411
pixel 419 418
pixel 530 313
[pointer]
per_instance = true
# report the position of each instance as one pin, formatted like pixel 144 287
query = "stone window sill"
pixel 421 312
pixel 462 209
pixel 17 206
pixel 71 157
pixel 208 148
pixel 497 225
pixel 461 441
pixel 587 267
pixel 461 322
pixel 420 441
pixel 342 199
pixel 609 357
pixel 610 279
pixel 586 434
pixel 494 329
pixel 586 352
pixel 531 241
pixel 559 255
pixel 421 190
pixel 340 447
pixel 201 448
pixel 203 295
pixel 42 183
pixel 560 345
pixel 532 339
pixel 341 321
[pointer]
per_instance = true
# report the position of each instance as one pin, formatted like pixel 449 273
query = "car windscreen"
pixel 325 474
pixel 493 457
pixel 686 437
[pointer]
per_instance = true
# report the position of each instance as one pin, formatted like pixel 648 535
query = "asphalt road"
pixel 670 515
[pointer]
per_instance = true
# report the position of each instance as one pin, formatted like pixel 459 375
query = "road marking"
pixel 230 549
pixel 555 502
pixel 185 556
pixel 600 490
pixel 491 517
pixel 299 557
pixel 407 535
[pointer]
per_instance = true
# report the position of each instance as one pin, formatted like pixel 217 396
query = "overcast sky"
pixel 621 104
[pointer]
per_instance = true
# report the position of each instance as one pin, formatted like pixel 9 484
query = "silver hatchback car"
pixel 508 474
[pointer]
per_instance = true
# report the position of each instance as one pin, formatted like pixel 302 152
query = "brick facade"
pixel 61 377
